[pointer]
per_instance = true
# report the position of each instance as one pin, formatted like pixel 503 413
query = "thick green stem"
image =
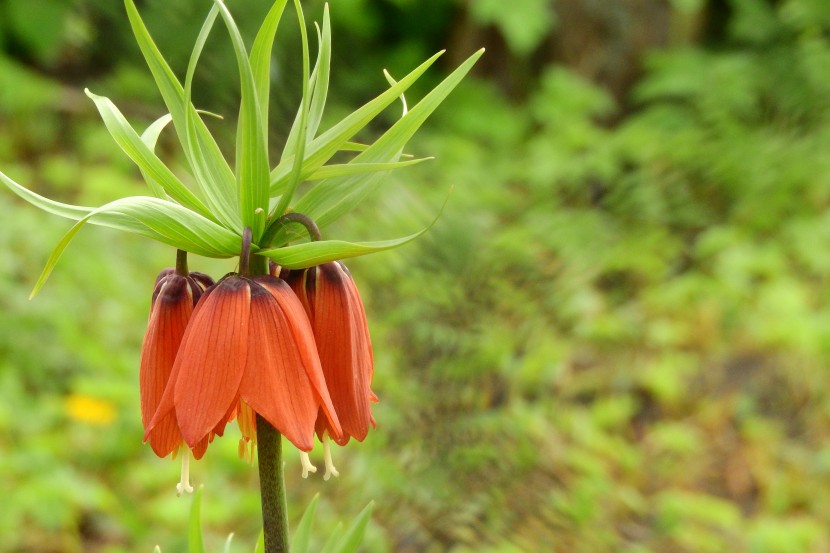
pixel 272 487
pixel 181 263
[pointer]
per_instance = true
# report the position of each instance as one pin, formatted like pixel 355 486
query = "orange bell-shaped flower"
pixel 338 318
pixel 248 349
pixel 174 297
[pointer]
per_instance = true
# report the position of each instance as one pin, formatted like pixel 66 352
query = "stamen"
pixel 184 484
pixel 307 466
pixel 330 470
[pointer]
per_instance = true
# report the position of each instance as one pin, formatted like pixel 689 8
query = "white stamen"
pixel 184 484
pixel 330 470
pixel 306 462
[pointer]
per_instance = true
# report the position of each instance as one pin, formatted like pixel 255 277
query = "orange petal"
pixel 211 359
pixel 345 349
pixel 275 384
pixel 293 316
pixel 171 310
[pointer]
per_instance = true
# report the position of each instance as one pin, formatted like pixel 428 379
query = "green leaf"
pixel 354 535
pixel 251 151
pixel 57 208
pixel 150 136
pixel 261 59
pixel 346 169
pixel 195 543
pixel 132 144
pixel 321 83
pixel 74 212
pixel 393 82
pixel 319 80
pixel 322 148
pixel 310 254
pixel 333 540
pixel 302 535
pixel 227 548
pixel 260 543
pixel 295 176
pixel 206 161
pixel 331 199
pixel 161 220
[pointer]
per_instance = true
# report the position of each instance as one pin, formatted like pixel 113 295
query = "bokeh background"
pixel 616 338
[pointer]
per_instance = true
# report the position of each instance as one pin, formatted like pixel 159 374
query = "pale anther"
pixel 306 462
pixel 184 484
pixel 330 470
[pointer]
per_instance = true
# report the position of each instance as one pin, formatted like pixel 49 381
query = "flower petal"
pixel 290 312
pixel 172 307
pixel 342 336
pixel 212 358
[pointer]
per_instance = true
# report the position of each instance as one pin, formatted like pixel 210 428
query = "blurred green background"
pixel 615 339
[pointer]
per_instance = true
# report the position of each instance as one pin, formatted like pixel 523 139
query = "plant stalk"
pixel 272 487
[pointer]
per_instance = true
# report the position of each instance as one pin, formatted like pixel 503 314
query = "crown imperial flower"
pixel 331 300
pixel 175 294
pixel 248 349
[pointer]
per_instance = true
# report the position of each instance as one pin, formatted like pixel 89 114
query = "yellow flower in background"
pixel 89 409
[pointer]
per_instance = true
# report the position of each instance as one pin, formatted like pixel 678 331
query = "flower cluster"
pixel 291 347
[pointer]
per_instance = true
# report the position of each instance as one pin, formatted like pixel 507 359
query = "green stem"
pixel 272 487
pixel 181 263
pixel 291 217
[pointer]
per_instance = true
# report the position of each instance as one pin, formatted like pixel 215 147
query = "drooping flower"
pixel 174 297
pixel 248 349
pixel 338 319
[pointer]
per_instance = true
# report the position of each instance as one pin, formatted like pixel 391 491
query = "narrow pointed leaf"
pixel 150 136
pixel 334 539
pixel 295 176
pixel 164 221
pixel 208 164
pixel 252 168
pixel 129 141
pixel 310 254
pixel 354 535
pixel 209 167
pixel 227 548
pixel 393 82
pixel 195 543
pixel 322 148
pixel 260 543
pixel 347 169
pixel 302 535
pixel 331 199
pixel 319 84
pixel 117 221
pixel 261 59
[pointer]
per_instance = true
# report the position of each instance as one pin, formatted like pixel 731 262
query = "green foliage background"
pixel 615 339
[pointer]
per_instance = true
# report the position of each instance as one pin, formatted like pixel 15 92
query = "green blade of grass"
pixel 354 535
pixel 195 542
pixel 302 535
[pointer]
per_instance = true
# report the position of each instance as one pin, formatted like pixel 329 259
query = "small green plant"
pixel 282 345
